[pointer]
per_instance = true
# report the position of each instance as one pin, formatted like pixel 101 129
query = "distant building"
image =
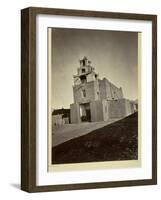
pixel 96 99
pixel 58 120
pixel 61 117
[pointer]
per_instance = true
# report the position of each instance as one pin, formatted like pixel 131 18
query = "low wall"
pixel 119 108
pixel 57 120
pixel 103 110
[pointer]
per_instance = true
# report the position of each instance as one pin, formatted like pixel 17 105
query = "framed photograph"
pixel 88 99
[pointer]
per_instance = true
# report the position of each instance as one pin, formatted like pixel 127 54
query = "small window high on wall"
pixel 84 93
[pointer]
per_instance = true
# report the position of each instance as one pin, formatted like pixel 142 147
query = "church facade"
pixel 95 99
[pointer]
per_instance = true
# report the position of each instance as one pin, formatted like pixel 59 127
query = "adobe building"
pixel 60 117
pixel 96 100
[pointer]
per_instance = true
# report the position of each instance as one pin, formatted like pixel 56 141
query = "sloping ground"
pixel 69 131
pixel 117 141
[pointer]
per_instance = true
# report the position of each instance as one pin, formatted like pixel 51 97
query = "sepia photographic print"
pixel 88 99
pixel 94 96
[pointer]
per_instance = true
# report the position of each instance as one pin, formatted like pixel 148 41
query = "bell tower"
pixel 85 73
pixel 85 91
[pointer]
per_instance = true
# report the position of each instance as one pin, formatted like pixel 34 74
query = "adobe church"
pixel 95 99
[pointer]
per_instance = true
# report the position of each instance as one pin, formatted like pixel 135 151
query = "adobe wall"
pixel 116 93
pixel 109 91
pixel 119 108
pixel 102 89
pixel 129 107
pixel 105 106
pixel 75 113
pixel 91 89
pixel 57 120
pixel 96 111
pixel 102 110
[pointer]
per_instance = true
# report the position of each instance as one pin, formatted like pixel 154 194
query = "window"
pixel 83 79
pixel 83 70
pixel 84 93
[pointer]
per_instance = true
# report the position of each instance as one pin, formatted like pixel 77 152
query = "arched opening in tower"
pixel 83 79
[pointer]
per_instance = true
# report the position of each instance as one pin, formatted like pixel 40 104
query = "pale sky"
pixel 112 53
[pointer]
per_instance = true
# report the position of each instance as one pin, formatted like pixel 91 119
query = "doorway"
pixel 85 112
